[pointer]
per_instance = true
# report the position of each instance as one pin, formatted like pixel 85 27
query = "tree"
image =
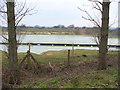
pixel 19 14
pixel 71 26
pixel 37 26
pixel 12 50
pixel 55 26
pixel 22 26
pixel 118 42
pixel 59 26
pixel 14 16
pixel 21 10
pixel 103 36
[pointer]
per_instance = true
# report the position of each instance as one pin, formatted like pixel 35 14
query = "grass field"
pixel 82 72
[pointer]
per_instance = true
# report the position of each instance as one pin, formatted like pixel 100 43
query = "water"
pixel 58 39
pixel 65 39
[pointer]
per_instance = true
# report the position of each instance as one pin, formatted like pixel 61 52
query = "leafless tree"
pixel 12 43
pixel 103 25
pixel 21 10
pixel 13 16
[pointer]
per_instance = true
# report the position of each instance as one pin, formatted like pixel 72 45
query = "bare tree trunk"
pixel 118 43
pixel 104 36
pixel 12 50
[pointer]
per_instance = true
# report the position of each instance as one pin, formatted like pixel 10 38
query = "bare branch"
pixel 3 13
pixel 97 7
pixel 97 38
pixel 3 17
pixel 115 21
pixel 2 9
pixel 112 23
pixel 89 17
pixel 22 15
pixel 4 37
pixel 21 11
pixel 95 1
pixel 22 7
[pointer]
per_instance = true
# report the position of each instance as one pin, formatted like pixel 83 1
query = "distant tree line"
pixel 57 26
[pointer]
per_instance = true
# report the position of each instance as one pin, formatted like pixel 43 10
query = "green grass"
pixel 96 79
pixel 60 56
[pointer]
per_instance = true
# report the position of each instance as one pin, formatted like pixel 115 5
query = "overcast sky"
pixel 64 12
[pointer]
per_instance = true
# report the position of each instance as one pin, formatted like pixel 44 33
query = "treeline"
pixel 56 26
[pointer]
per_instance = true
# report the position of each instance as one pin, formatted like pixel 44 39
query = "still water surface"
pixel 58 39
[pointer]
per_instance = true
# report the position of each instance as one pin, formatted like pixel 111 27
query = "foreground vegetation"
pixel 94 79
pixel 81 73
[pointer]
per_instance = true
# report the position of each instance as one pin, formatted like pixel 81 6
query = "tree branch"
pixel 4 37
pixel 96 1
pixel 21 8
pixel 89 18
pixel 97 7
pixel 22 15
pixel 115 21
pixel 2 11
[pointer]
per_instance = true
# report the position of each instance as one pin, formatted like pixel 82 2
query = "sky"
pixel 64 12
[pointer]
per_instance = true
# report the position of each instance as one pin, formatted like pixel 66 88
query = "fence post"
pixel 28 58
pixel 29 47
pixel 68 57
pixel 73 49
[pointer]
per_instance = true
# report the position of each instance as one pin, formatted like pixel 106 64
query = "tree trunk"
pixel 12 49
pixel 104 36
pixel 118 43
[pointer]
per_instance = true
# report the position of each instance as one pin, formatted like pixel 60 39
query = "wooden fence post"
pixel 29 46
pixel 28 58
pixel 73 49
pixel 68 57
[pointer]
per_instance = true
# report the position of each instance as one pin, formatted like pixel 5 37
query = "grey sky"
pixel 65 12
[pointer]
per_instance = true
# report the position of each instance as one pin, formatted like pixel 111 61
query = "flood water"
pixel 81 39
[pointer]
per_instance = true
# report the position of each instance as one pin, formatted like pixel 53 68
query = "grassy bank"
pixel 61 56
pixel 94 79
pixel 82 72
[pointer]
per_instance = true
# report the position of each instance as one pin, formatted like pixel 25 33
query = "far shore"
pixel 54 33
pixel 60 31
